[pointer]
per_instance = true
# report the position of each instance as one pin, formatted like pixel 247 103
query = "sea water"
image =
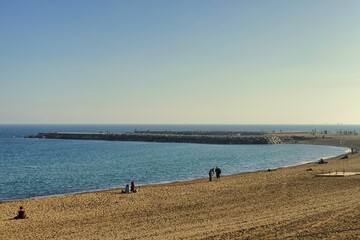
pixel 44 167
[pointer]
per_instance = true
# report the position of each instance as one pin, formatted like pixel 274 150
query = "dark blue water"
pixel 43 167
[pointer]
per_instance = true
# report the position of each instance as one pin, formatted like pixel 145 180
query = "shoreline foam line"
pixel 173 181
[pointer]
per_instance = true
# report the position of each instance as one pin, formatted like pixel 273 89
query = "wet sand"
pixel 289 203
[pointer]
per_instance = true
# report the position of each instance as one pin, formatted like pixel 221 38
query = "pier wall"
pixel 167 137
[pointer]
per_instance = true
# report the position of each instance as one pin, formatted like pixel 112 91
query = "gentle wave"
pixel 32 168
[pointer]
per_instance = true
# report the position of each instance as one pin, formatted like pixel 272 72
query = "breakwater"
pixel 170 136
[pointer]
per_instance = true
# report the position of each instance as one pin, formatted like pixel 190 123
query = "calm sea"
pixel 42 167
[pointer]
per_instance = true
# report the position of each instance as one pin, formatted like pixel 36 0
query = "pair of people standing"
pixel 217 172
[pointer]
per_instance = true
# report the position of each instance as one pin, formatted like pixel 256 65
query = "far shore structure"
pixel 289 203
pixel 206 137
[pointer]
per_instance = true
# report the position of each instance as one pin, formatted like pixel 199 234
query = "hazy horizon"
pixel 180 62
pixel 182 124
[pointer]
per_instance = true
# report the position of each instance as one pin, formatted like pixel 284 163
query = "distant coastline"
pixel 23 130
pixel 204 137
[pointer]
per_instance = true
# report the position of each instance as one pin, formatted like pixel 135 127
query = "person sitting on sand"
pixel 322 161
pixel 127 189
pixel 21 214
pixel 132 188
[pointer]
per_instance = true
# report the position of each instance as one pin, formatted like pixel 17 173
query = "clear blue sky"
pixel 210 62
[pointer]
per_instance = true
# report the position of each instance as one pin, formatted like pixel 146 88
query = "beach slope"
pixel 289 203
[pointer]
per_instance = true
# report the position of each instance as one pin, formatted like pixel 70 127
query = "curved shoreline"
pixel 347 150
pixel 289 203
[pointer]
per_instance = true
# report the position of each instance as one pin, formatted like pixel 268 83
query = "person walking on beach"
pixel 211 174
pixel 217 172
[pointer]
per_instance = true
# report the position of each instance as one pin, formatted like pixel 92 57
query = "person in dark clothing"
pixel 217 172
pixel 21 214
pixel 211 174
pixel 132 187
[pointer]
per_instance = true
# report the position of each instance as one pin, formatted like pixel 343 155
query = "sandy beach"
pixel 288 203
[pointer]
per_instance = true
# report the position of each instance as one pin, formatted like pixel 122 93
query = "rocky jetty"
pixel 170 136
